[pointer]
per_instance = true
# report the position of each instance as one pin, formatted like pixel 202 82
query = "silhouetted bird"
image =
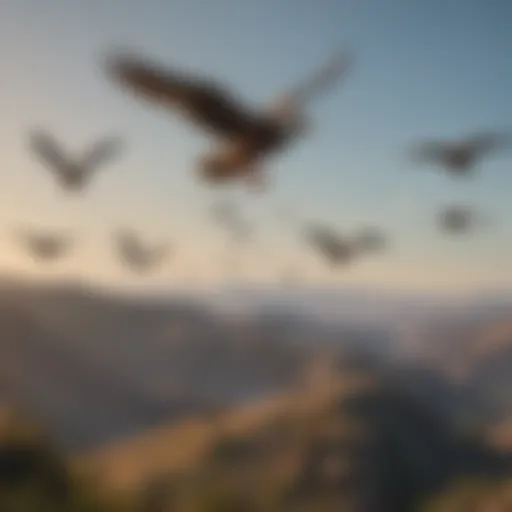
pixel 44 246
pixel 72 173
pixel 460 156
pixel 337 249
pixel 458 219
pixel 137 255
pixel 332 246
pixel 245 136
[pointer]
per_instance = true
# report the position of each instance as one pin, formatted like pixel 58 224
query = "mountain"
pixel 94 366
pixel 360 441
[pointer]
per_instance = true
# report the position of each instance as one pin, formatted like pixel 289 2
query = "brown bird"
pixel 460 156
pixel 137 255
pixel 72 173
pixel 245 137
pixel 44 246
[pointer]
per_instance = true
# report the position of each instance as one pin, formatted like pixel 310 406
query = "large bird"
pixel 72 172
pixel 245 137
pixel 44 246
pixel 337 249
pixel 136 254
pixel 458 157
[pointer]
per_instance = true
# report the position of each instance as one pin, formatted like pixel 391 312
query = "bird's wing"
pixel 44 244
pixel 207 104
pixel 482 143
pixel 429 151
pixel 100 152
pixel 47 148
pixel 369 239
pixel 316 83
pixel 324 240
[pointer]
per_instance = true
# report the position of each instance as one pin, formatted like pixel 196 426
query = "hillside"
pixel 357 440
pixel 93 367
pixel 285 409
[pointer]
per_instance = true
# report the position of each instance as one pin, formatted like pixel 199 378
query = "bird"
pixel 338 249
pixel 137 255
pixel 244 136
pixel 458 219
pixel 72 173
pixel 44 246
pixel 332 246
pixel 459 157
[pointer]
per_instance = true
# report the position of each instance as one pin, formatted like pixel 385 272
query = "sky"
pixel 422 69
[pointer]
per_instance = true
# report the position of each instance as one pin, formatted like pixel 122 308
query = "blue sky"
pixel 432 68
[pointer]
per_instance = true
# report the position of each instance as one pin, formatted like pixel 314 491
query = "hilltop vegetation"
pixel 34 477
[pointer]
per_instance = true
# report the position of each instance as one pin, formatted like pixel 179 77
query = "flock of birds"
pixel 244 140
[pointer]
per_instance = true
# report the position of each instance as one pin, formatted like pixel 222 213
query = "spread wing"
pixel 207 104
pixel 485 142
pixel 370 240
pixel 101 152
pixel 429 151
pixel 315 84
pixel 47 148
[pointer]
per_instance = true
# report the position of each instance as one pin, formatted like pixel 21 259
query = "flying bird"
pixel 458 219
pixel 333 247
pixel 44 246
pixel 337 249
pixel 136 254
pixel 71 172
pixel 459 157
pixel 245 136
